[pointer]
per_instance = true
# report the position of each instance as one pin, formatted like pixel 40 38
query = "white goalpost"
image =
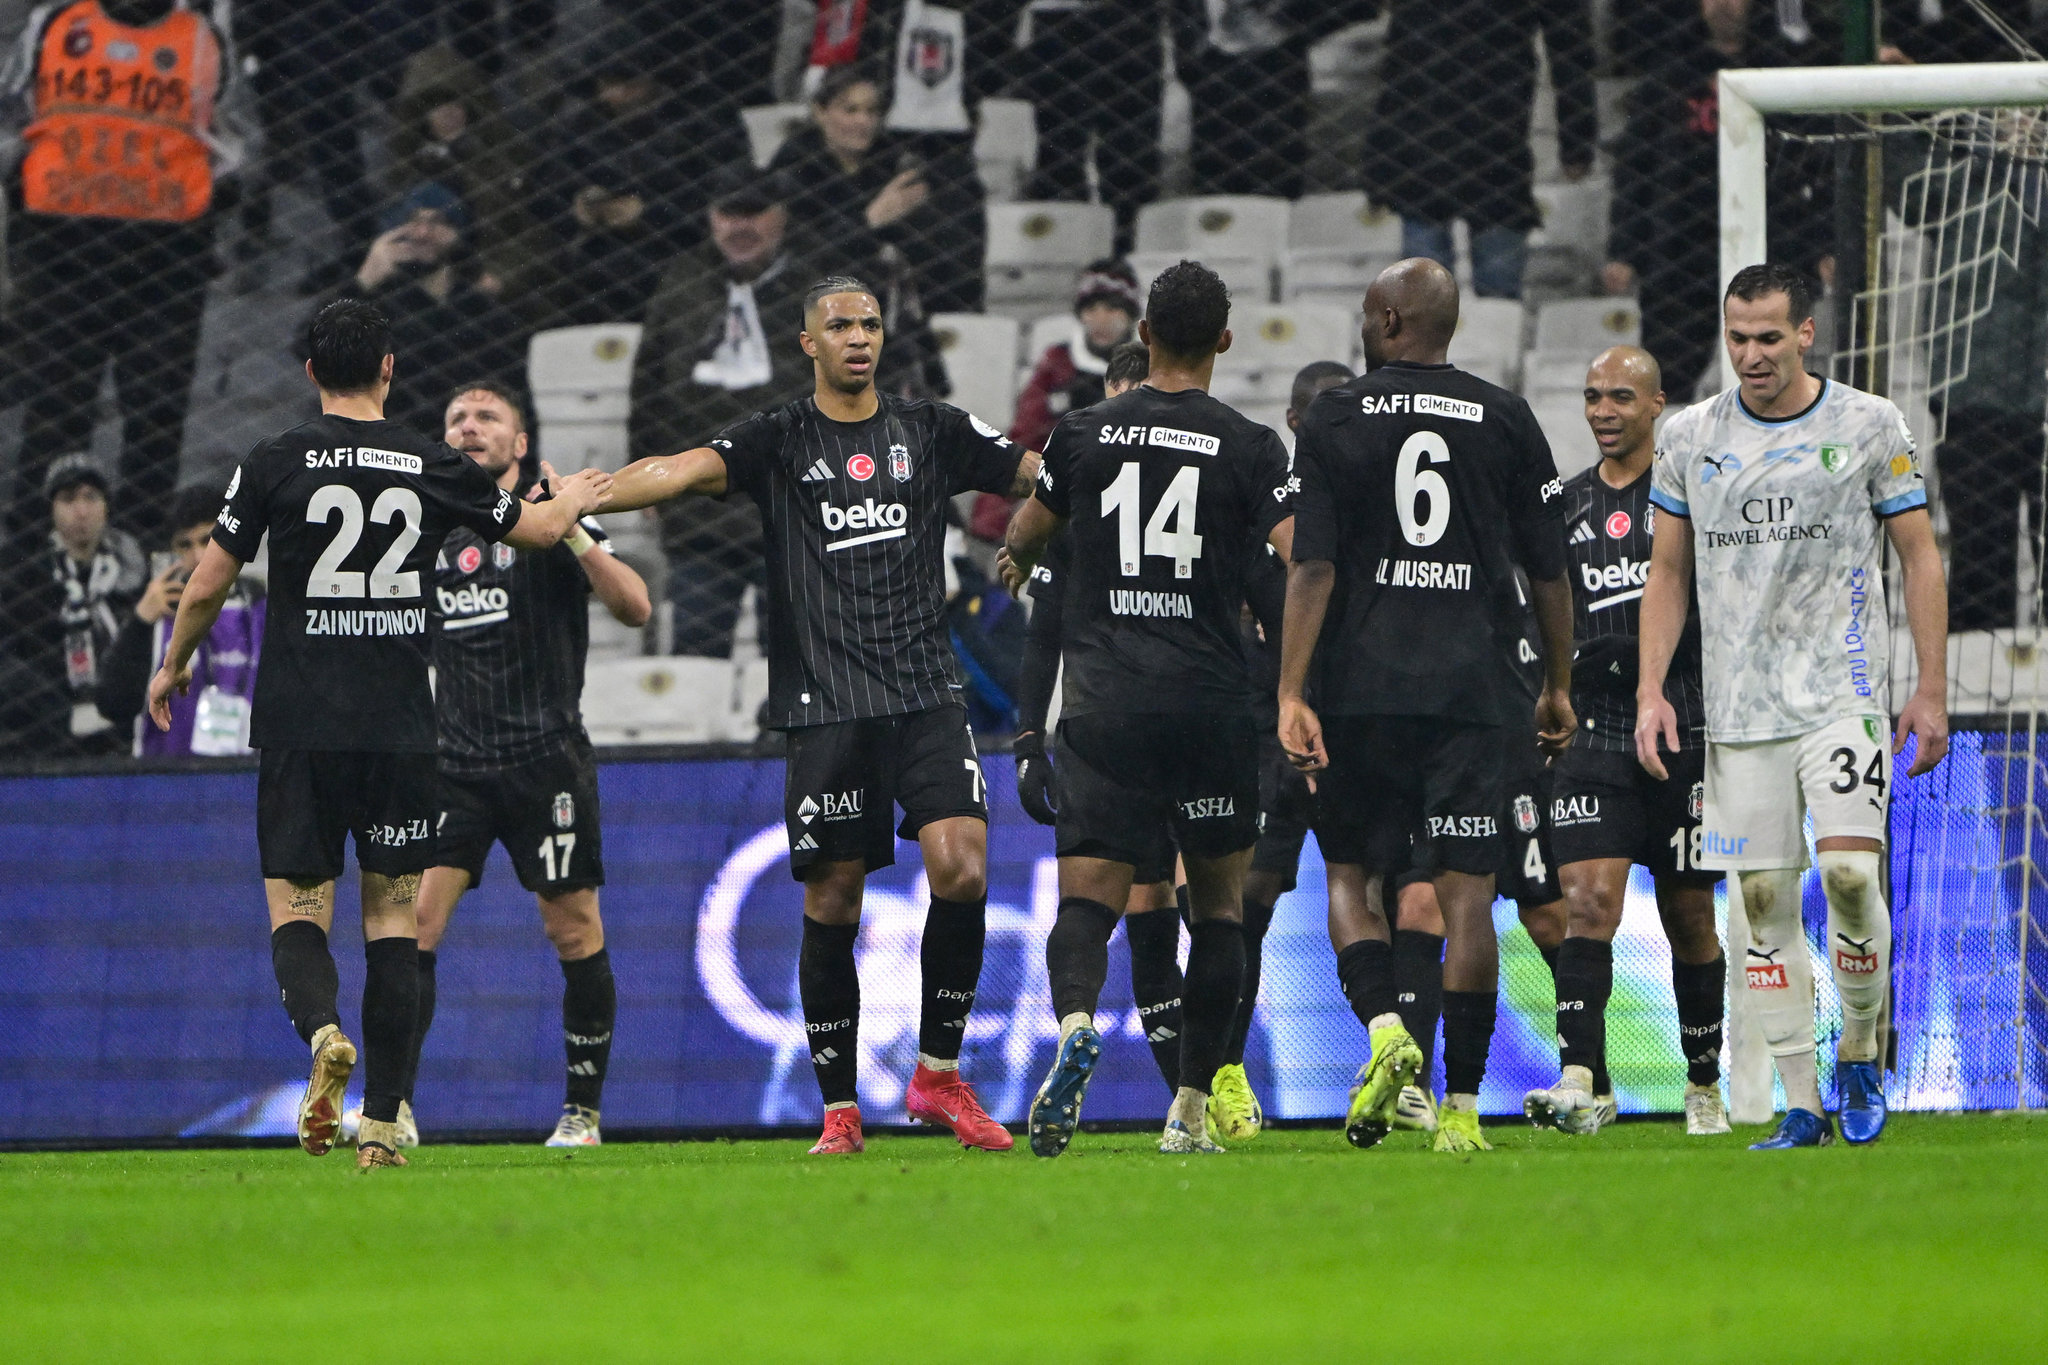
pixel 1946 226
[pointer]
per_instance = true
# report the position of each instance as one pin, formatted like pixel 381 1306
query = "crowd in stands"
pixel 488 169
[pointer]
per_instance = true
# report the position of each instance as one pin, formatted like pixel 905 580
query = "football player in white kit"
pixel 1776 489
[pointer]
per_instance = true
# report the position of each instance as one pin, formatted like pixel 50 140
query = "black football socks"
pixel 1209 998
pixel 1419 991
pixel 424 1021
pixel 306 978
pixel 1585 979
pixel 1468 1037
pixel 1077 956
pixel 954 932
pixel 590 1006
pixel 830 985
pixel 1154 940
pixel 1365 970
pixel 1257 920
pixel 391 999
pixel 1699 991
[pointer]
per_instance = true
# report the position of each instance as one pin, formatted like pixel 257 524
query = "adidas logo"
pixel 1582 533
pixel 806 845
pixel 1160 1035
pixel 820 472
pixel 820 1058
pixel 583 1069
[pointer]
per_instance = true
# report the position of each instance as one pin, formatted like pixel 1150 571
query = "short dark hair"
pixel 498 389
pixel 840 79
pixel 347 345
pixel 1129 363
pixel 1308 382
pixel 192 504
pixel 833 284
pixel 1753 282
pixel 1188 308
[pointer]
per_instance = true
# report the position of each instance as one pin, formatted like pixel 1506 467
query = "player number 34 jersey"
pixel 1786 519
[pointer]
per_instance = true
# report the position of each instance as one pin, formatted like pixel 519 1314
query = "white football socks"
pixel 1779 972
pixel 1859 946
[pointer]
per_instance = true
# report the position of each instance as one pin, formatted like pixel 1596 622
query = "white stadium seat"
pixel 1488 341
pixel 570 446
pixel 1554 372
pixel 1563 419
pixel 1240 236
pixel 1036 248
pixel 1044 334
pixel 1269 344
pixel 980 355
pixel 582 374
pixel 659 700
pixel 1005 145
pixel 1588 326
pixel 769 126
pixel 1336 245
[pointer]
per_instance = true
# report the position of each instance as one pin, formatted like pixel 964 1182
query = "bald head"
pixel 1631 365
pixel 1624 397
pixel 1411 312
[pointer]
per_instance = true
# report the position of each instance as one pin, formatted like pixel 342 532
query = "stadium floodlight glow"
pixel 1749 93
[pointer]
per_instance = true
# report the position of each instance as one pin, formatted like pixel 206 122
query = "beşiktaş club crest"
pixel 899 463
pixel 502 555
pixel 565 810
pixel 931 56
pixel 1697 806
pixel 1525 814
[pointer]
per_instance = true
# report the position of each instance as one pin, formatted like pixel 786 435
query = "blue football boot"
pixel 1056 1111
pixel 1862 1110
pixel 1800 1128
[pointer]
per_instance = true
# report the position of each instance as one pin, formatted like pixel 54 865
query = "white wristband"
pixel 579 542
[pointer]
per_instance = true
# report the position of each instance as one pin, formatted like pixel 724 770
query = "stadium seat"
pixel 582 374
pixel 1005 146
pixel 980 355
pixel 659 700
pixel 1044 334
pixel 1571 243
pixel 1554 372
pixel 570 446
pixel 1488 341
pixel 1269 344
pixel 1336 245
pixel 1241 237
pixel 769 126
pixel 1563 419
pixel 611 638
pixel 1035 248
pixel 1587 326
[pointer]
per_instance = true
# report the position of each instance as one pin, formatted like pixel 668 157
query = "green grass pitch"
pixel 1636 1245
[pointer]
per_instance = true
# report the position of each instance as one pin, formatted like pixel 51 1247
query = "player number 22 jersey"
pixel 1786 518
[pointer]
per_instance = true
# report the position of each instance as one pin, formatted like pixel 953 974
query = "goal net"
pixel 1936 254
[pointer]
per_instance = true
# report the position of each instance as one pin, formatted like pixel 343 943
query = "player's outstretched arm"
pixel 1665 594
pixel 613 581
pixel 1031 527
pixel 206 592
pixel 1309 583
pixel 1925 715
pixel 658 478
pixel 542 524
pixel 1555 721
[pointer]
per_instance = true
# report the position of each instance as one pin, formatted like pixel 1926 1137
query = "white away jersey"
pixel 1786 521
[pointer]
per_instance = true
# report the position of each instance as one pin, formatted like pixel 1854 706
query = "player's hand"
pixel 588 489
pixel 1013 577
pixel 1655 721
pixel 1555 722
pixel 1925 718
pixel 161 684
pixel 1034 776
pixel 1301 735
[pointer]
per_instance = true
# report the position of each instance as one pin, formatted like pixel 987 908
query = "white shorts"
pixel 1758 795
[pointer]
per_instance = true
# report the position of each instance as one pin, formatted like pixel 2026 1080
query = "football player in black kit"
pixel 355 508
pixel 516 765
pixel 852 484
pixel 1607 812
pixel 1161 492
pixel 1422 488
pixel 1151 918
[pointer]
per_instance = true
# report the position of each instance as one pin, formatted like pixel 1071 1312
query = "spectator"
pixel 70 620
pixel 448 129
pixel 445 329
pixel 902 211
pixel 618 187
pixel 720 343
pixel 1093 73
pixel 1451 139
pixel 1665 235
pixel 1069 374
pixel 111 253
pixel 213 719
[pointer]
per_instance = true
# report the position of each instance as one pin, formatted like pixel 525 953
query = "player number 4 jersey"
pixel 1786 522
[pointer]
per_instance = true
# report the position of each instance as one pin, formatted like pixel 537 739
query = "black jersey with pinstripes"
pixel 854 529
pixel 1608 533
pixel 509 655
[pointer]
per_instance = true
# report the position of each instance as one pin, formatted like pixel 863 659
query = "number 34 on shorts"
pixel 1758 795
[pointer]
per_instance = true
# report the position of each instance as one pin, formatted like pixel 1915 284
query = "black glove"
pixel 1034 777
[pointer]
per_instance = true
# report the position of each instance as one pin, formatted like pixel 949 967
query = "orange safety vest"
pixel 119 118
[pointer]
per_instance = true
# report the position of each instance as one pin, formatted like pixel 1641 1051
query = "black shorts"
pixel 1390 776
pixel 1528 872
pixel 544 811
pixel 1287 812
pixel 1603 805
pixel 844 780
pixel 308 801
pixel 1122 779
